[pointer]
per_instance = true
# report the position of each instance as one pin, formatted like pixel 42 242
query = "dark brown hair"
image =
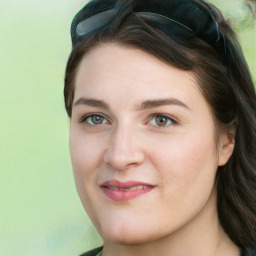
pixel 224 80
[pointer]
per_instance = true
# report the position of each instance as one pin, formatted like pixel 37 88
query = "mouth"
pixel 125 191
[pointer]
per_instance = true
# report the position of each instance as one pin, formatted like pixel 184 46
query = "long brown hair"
pixel 224 80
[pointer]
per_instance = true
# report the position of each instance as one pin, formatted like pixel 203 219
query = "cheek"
pixel 187 162
pixel 86 155
pixel 85 150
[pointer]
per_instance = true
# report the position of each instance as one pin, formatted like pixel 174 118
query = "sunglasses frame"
pixel 84 24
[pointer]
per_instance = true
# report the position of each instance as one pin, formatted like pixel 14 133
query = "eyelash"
pixel 86 117
pixel 169 119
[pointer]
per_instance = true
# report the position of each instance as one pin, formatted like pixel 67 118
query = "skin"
pixel 178 156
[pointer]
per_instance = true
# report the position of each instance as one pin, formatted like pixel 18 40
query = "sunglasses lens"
pixel 97 21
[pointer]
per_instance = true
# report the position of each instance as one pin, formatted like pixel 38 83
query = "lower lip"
pixel 125 195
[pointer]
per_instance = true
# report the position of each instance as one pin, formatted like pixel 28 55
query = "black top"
pixel 94 252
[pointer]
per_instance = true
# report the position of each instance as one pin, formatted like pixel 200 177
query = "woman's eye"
pixel 95 119
pixel 162 120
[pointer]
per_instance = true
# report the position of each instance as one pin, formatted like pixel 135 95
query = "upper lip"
pixel 126 184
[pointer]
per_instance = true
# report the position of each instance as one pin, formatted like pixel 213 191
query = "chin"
pixel 134 238
pixel 129 234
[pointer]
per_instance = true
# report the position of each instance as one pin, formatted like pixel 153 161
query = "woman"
pixel 162 135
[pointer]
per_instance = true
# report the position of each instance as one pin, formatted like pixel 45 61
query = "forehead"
pixel 111 71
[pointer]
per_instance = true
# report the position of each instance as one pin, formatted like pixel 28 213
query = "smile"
pixel 125 191
pixel 132 188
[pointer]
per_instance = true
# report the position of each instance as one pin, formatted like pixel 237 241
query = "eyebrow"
pixel 92 103
pixel 145 105
pixel 161 102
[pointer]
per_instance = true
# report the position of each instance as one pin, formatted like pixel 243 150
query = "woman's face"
pixel 143 146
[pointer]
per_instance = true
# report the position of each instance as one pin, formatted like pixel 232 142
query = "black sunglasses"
pixel 176 18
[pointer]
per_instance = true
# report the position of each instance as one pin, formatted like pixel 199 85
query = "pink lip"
pixel 119 194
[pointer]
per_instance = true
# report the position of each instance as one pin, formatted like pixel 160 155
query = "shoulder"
pixel 93 252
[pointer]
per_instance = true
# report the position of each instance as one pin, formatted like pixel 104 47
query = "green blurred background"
pixel 40 212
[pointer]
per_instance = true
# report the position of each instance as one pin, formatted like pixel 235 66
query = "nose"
pixel 124 149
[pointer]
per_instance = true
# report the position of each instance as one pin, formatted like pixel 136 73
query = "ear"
pixel 226 146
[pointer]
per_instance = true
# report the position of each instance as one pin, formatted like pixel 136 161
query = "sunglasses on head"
pixel 176 18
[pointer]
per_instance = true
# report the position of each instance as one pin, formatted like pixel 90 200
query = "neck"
pixel 201 236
